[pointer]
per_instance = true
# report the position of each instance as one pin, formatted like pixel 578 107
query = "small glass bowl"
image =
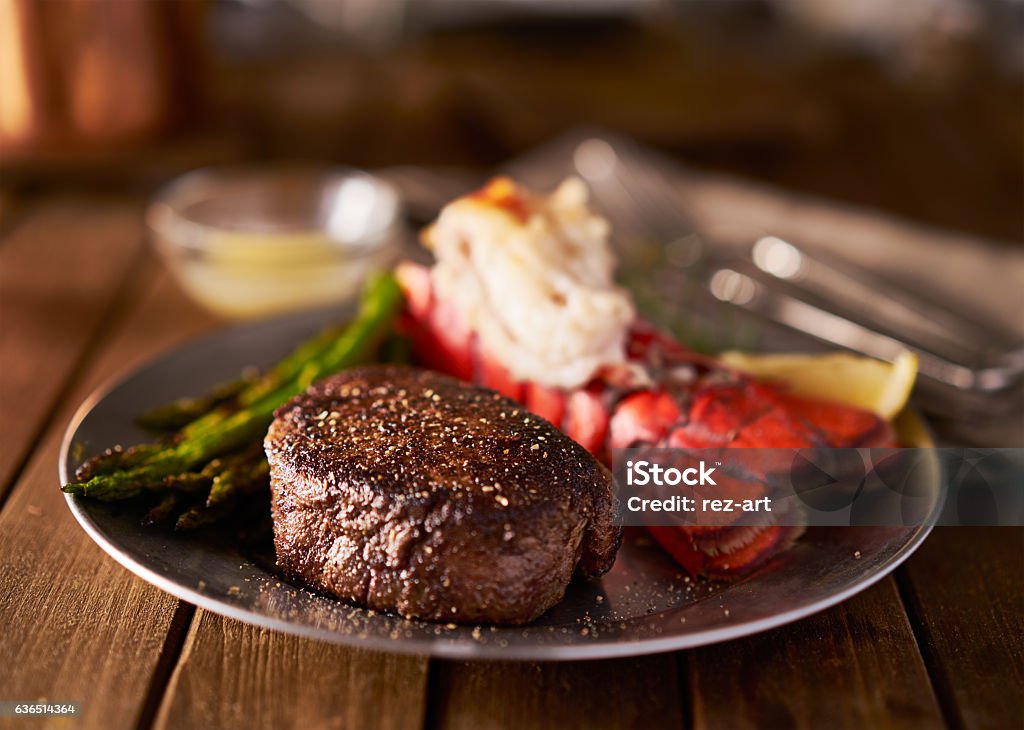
pixel 250 241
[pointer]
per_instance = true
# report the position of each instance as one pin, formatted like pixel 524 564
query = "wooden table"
pixel 939 643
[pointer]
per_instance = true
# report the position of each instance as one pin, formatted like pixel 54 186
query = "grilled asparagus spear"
pixel 150 466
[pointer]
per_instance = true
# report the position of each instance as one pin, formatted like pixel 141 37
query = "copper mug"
pixel 93 73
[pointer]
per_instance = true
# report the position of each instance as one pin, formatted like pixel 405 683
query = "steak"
pixel 405 490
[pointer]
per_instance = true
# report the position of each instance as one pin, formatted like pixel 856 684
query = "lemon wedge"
pixel 874 385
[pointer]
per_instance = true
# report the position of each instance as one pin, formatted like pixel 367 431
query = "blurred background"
pixel 915 107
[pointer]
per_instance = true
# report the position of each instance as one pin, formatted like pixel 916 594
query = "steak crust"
pixel 405 490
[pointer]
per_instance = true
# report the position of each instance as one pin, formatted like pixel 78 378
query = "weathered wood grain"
pixel 76 626
pixel 234 675
pixel 61 268
pixel 622 693
pixel 965 594
pixel 856 665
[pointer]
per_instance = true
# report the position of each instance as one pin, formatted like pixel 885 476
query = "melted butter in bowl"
pixel 256 241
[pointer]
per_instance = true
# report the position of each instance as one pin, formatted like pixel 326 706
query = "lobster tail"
pixel 685 401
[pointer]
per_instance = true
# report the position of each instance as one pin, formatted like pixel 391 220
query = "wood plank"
pixel 642 692
pixel 12 205
pixel 965 596
pixel 856 665
pixel 61 269
pixel 77 626
pixel 234 675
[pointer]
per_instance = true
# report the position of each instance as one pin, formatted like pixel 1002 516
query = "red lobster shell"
pixel 695 403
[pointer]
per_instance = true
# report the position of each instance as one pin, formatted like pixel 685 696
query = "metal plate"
pixel 644 605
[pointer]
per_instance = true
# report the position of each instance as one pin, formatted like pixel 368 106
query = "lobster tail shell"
pixel 694 403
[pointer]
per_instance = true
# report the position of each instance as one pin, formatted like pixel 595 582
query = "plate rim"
pixel 441 647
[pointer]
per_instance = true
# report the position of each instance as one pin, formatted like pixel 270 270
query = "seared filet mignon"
pixel 405 490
